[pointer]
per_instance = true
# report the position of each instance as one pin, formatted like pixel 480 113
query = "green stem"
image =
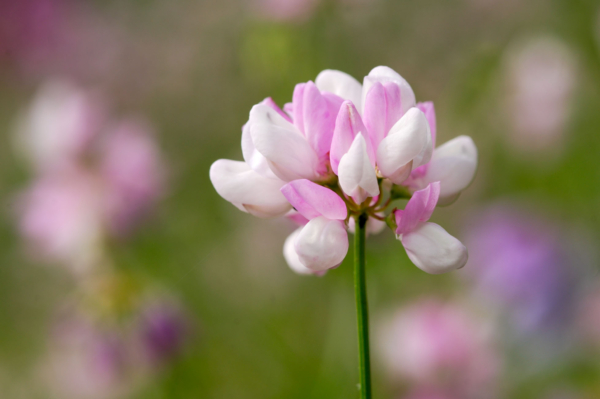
pixel 360 292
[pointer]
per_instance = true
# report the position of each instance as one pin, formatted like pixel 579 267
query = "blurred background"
pixel 124 275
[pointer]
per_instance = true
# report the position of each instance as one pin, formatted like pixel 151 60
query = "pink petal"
pixel 393 104
pixel 269 101
pixel 312 200
pixel 296 217
pixel 298 106
pixel 418 209
pixel 382 109
pixel 319 114
pixel 429 111
pixel 347 125
pixel 288 108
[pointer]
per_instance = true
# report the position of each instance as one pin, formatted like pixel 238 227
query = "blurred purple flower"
pixel 440 346
pixel 163 331
pixel 541 80
pixel 518 261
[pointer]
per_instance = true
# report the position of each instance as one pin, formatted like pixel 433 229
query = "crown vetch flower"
pixel 342 149
pixel 428 245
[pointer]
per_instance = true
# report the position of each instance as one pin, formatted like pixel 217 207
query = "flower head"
pixel 342 149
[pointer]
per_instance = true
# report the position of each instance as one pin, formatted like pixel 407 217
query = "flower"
pixel 519 263
pixel 60 218
pixel 428 245
pixel 162 330
pixel 431 344
pixel 341 149
pixel 542 75
pixel 85 360
pixel 454 163
pixel 59 125
pixel 323 242
pixel 93 178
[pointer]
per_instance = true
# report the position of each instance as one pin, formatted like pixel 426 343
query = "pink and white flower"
pixel 428 245
pixel 341 149
pixel 322 243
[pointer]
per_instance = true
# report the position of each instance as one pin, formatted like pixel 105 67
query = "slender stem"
pixel 360 292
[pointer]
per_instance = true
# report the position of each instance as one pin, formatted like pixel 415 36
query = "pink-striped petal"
pixel 383 74
pixel 347 125
pixel 312 200
pixel 382 109
pixel 298 106
pixel 319 113
pixel 418 209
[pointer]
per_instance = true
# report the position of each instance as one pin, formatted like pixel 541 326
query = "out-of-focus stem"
pixel 362 311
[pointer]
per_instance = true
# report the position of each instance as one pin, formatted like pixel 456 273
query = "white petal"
pixel 253 158
pixel 384 74
pixel 426 152
pixel 433 250
pixel 288 153
pixel 322 244
pixel 407 139
pixel 340 84
pixel 249 191
pixel 356 172
pixel 291 257
pixel 453 164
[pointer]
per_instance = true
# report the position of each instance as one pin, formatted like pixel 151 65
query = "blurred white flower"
pixel 59 125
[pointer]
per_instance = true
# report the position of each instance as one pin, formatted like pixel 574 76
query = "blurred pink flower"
pixel 92 181
pixel 86 362
pixel 285 10
pixel 541 80
pixel 60 217
pixel 588 318
pixel 132 167
pixel 439 345
pixel 428 394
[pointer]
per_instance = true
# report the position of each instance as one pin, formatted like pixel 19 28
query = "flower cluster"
pixel 94 177
pixel 339 150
